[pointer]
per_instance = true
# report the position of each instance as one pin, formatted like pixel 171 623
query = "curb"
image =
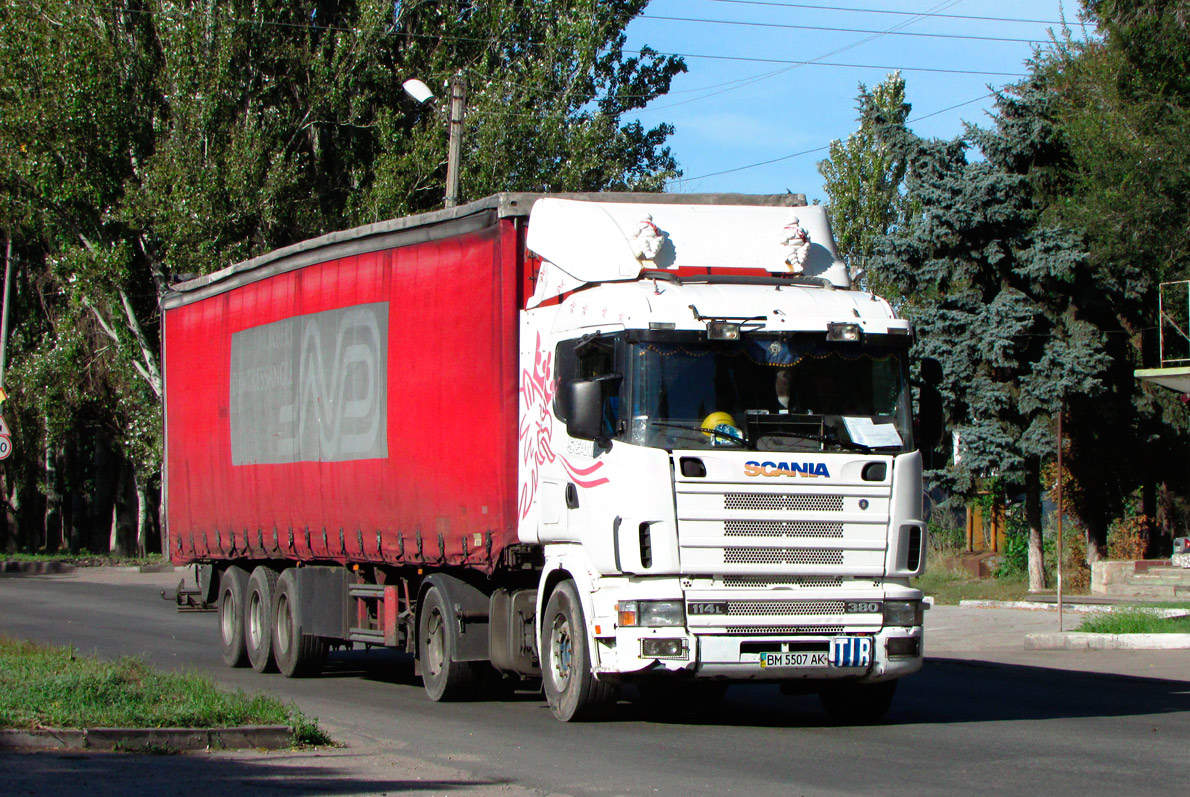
pixel 268 737
pixel 1073 608
pixel 1079 641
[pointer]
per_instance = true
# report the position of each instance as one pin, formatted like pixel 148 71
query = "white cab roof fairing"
pixel 788 308
pixel 589 242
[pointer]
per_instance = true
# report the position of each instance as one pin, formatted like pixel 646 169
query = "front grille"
pixel 741 630
pixel 763 582
pixel 782 556
pixel 783 608
pixel 771 501
pixel 782 528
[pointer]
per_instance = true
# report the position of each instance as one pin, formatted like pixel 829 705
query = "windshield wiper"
pixel 716 432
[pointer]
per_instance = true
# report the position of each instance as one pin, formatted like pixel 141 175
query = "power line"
pixel 758 60
pixel 843 30
pixel 932 11
pixel 887 11
pixel 826 146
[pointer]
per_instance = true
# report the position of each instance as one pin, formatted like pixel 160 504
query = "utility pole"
pixel 1060 477
pixel 458 102
pixel 4 316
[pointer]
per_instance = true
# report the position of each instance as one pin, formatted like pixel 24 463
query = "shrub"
pixel 1127 537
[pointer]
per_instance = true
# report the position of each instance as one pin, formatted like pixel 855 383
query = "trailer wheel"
pixel 443 677
pixel 298 655
pixel 573 691
pixel 258 619
pixel 856 704
pixel 233 586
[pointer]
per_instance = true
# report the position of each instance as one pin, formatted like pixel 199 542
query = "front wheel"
pixel 853 703
pixel 573 691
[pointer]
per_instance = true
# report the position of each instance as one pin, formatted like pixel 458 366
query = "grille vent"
pixel 771 501
pixel 762 582
pixel 741 630
pixel 783 528
pixel 783 608
pixel 782 556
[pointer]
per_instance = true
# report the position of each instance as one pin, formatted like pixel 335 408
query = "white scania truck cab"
pixel 717 457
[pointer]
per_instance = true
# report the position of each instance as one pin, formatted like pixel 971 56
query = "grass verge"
pixel 949 586
pixel 54 687
pixel 1134 621
pixel 86 559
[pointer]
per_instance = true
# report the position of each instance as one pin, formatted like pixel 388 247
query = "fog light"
pixel 902 613
pixel 663 648
pixel 903 647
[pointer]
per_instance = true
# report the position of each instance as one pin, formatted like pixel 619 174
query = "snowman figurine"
pixel 796 241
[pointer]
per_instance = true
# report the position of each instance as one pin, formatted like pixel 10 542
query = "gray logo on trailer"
pixel 312 388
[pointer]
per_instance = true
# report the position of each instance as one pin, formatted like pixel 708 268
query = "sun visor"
pixel 585 242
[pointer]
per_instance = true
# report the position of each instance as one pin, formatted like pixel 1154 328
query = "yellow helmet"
pixel 715 420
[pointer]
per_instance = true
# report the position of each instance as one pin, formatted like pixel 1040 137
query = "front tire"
pixel 573 691
pixel 298 655
pixel 233 589
pixel 853 703
pixel 258 619
pixel 443 677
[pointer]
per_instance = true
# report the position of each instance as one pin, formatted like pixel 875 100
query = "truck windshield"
pixel 792 392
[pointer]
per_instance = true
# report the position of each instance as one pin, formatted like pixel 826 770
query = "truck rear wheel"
pixel 573 691
pixel 258 619
pixel 298 655
pixel 443 677
pixel 233 587
pixel 854 703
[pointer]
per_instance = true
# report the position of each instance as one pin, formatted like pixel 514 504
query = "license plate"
pixel 851 651
pixel 799 659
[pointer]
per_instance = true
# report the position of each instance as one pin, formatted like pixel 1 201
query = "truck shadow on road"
pixel 947 691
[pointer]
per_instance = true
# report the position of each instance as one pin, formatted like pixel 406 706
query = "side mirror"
pixel 584 409
pixel 929 417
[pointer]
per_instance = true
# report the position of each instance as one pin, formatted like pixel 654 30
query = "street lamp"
pixel 420 92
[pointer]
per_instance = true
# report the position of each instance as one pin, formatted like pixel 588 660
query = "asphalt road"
pixel 983 716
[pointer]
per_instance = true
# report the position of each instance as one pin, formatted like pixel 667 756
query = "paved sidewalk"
pixel 998 635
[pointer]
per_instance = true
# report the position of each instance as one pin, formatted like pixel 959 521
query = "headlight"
pixel 651 613
pixel 902 612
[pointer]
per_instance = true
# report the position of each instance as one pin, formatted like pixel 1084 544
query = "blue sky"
pixel 733 113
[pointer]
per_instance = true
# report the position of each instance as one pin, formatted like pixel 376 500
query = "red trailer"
pixel 369 414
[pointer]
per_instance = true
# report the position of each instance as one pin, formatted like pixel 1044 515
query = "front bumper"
pixel 739 657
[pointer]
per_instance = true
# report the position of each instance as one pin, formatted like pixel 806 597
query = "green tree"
pixel 864 178
pixel 990 283
pixel 1121 103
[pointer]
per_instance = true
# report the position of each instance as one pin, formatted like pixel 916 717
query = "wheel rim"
pixel 284 624
pixel 435 645
pixel 228 618
pixel 561 653
pixel 255 621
